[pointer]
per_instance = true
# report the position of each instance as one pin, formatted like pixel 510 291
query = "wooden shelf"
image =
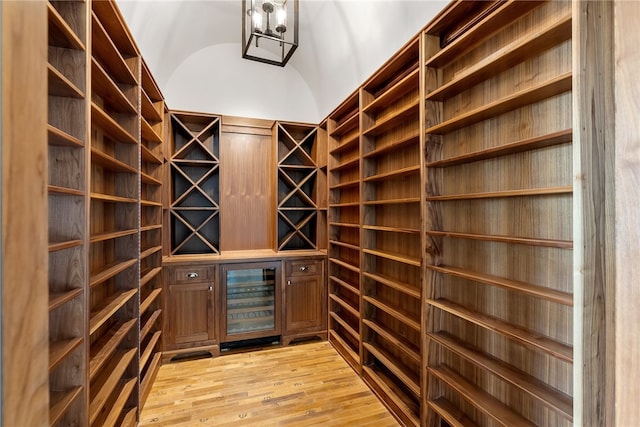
pixel 531 95
pixel 60 85
pixel 109 307
pixel 152 227
pixel 504 193
pixel 344 224
pixel 109 381
pixel 111 163
pixel 343 185
pixel 393 257
pixel 149 112
pixel 105 122
pixel 61 298
pixel 408 348
pixel 64 191
pixel 112 235
pixel 402 201
pixel 480 399
pixel 149 134
pixel 408 84
pixel 398 173
pixel 529 241
pixel 410 112
pixel 531 339
pixel 144 305
pixel 396 313
pixel 527 144
pixel 344 205
pixel 346 165
pixel 109 91
pixel 149 180
pixel 345 305
pixel 554 399
pixel 411 139
pixel 146 354
pixel 148 156
pixel 60 33
pixel 403 230
pixel 336 317
pixel 449 413
pixel 539 40
pixel 112 199
pixel 393 396
pixel 150 251
pixel 129 419
pixel 345 285
pixel 350 123
pixel 147 381
pixel 146 328
pixel 522 287
pixel 60 401
pixel 146 278
pixel 149 203
pixel 67 244
pixel 344 264
pixel 108 54
pixel 393 283
pixel 110 270
pixel 387 360
pixel 59 350
pixel 506 14
pixel 111 416
pixel 344 245
pixel 61 138
pixel 344 348
pixel 106 346
pixel 346 145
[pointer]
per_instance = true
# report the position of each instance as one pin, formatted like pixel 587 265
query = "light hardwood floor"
pixel 301 385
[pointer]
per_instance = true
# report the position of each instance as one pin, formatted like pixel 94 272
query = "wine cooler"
pixel 251 296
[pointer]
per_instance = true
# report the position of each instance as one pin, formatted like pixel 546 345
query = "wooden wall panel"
pixel 25 395
pixel 627 226
pixel 246 191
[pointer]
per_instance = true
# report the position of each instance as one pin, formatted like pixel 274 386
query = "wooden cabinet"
pixel 190 310
pixel 305 304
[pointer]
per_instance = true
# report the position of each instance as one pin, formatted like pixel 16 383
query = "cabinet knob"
pixel 192 275
pixel 288 282
pixel 210 288
pixel 304 268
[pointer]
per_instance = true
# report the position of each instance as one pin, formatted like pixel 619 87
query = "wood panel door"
pixel 190 311
pixel 304 304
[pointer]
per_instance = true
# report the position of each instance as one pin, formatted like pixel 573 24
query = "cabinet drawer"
pixel 191 274
pixel 303 267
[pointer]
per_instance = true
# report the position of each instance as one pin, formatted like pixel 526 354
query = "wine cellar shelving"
pixel 343 132
pixel 195 184
pixel 391 232
pixel 484 309
pixel 300 185
pixel 68 191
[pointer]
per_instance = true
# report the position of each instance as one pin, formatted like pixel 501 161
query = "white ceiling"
pixel 193 49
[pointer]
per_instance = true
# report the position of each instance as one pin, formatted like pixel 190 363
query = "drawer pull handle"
pixel 192 275
pixel 304 268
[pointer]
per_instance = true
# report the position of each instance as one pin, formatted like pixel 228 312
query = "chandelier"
pixel 269 30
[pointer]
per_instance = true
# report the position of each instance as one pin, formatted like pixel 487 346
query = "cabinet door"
pixel 304 303
pixel 191 313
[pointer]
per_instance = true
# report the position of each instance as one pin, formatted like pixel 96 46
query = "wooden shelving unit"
pixel 499 295
pixel 114 219
pixel 392 164
pixel 343 132
pixel 68 192
pixel 195 184
pixel 152 115
pixel 301 185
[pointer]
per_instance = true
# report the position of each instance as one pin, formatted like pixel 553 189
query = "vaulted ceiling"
pixel 193 49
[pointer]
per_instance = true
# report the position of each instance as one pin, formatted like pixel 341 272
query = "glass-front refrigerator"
pixel 252 300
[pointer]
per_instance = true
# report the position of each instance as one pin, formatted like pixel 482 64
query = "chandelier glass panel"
pixel 269 30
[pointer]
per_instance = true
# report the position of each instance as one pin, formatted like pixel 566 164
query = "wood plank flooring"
pixel 301 385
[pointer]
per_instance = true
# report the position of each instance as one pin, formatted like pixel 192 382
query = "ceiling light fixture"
pixel 266 37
